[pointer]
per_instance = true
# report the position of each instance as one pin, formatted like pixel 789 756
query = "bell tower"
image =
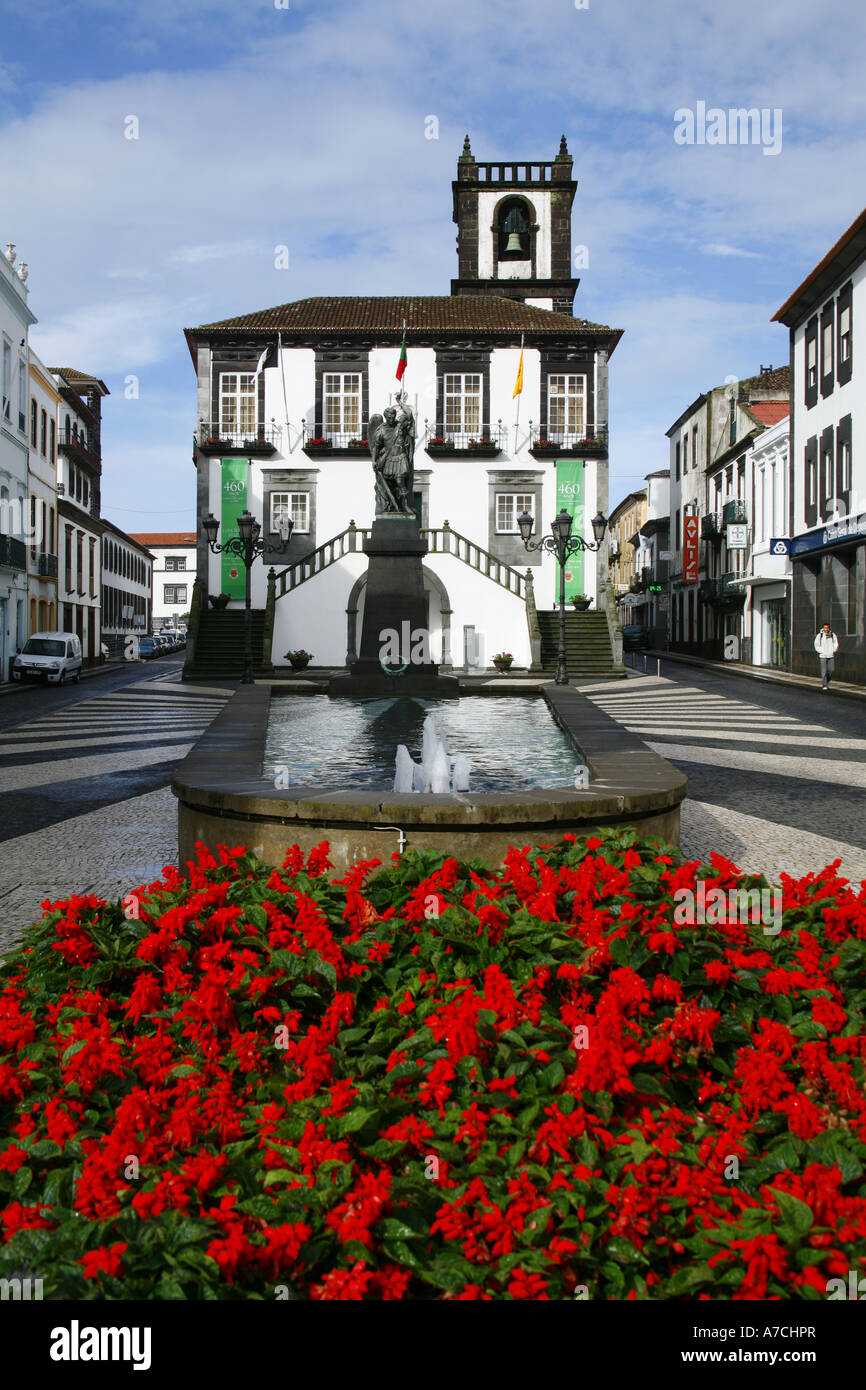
pixel 514 229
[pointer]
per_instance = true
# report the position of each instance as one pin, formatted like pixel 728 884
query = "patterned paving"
pixel 87 806
pixel 773 790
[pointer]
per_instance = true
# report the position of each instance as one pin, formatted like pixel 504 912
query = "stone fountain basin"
pixel 224 800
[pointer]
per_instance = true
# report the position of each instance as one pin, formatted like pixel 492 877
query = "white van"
pixel 52 656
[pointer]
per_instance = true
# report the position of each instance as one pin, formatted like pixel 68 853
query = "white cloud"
pixel 719 248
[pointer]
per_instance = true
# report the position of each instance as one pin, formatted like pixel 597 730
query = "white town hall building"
pixel 284 400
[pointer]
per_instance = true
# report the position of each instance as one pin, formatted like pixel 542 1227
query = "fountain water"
pixel 436 772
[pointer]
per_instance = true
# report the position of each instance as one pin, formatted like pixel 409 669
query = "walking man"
pixel 826 645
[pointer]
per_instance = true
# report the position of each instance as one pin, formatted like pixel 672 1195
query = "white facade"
pixel 173 575
pixel 127 579
pixel 767 579
pixel 460 490
pixel 15 321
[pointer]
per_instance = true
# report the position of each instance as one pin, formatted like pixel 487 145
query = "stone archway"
pixel 431 582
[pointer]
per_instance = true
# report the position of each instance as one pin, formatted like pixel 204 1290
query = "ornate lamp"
pixel 211 528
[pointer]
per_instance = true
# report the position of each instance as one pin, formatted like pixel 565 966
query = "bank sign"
pixel 233 487
pixel 570 496
pixel 851 530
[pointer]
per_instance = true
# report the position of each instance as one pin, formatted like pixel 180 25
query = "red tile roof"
pixel 770 412
pixel 848 250
pixel 165 538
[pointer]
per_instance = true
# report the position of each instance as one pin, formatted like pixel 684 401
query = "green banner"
pixel 569 495
pixel 234 500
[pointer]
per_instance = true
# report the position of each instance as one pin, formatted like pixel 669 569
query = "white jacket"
pixel 826 644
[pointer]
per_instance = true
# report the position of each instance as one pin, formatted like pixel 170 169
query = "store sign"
pixel 738 536
pixel 852 529
pixel 691 539
pixel 780 545
pixel 233 487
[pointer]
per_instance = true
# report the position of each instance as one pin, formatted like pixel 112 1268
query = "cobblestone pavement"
pixel 777 777
pixel 87 805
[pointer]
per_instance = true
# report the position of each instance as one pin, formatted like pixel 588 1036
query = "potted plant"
pixel 220 600
pixel 300 659
pixel 502 661
pixel 358 444
pixel 318 442
pixel 581 602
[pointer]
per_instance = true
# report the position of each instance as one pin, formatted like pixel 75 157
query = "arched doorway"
pixel 439 616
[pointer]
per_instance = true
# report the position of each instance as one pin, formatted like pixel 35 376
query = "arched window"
pixel 513 230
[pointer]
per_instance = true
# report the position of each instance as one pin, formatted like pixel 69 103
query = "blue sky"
pixel 305 125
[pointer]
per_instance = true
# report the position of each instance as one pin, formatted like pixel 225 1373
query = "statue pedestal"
pixel 395 619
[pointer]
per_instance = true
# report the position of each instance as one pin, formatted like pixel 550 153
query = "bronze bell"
pixel 513 242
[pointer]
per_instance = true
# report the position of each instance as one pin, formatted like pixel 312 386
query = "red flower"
pixel 104 1260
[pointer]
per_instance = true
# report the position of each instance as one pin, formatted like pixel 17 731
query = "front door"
pixel 775 632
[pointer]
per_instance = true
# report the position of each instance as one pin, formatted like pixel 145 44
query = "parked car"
pixel 634 637
pixel 147 648
pixel 51 656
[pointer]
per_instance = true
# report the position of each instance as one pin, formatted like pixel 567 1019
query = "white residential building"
pixel 79 477
pixel 127 586
pixel 15 322
pixel 174 560
pixel 827 488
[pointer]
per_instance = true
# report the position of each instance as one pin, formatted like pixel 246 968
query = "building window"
pixel 811 376
pixel 694 446
pixel 843 463
pixel 237 403
pixel 43 433
pixel 174 593
pixel 566 407
pixel 844 340
pixel 292 504
pixel 7 381
pixel 678 455
pixel 685 453
pixel 52 437
pixel 509 505
pixel 175 562
pixel 22 394
pixel 811 481
pixel 34 415
pixel 462 400
pixel 342 404
pixel 827 360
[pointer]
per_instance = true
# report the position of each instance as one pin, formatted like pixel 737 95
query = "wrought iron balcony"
pixel 485 442
pixel 724 589
pixel 13 553
pixel 47 566
pixel 215 437
pixel 548 441
pixel 710 527
pixel 79 444
pixel 321 439
pixel 734 512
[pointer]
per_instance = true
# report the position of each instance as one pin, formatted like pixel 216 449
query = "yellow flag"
pixel 518 385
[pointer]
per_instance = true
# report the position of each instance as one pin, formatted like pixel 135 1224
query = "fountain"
pixel 436 772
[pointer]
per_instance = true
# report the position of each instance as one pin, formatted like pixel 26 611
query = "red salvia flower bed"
pixel 436 1081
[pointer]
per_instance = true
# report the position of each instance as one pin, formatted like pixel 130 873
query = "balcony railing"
pixel 321 439
pixel 75 441
pixel 569 443
pixel 485 442
pixel 214 437
pixel 47 566
pixel 723 589
pixel 734 512
pixel 710 527
pixel 13 553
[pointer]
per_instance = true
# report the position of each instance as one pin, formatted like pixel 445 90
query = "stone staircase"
pixel 219 645
pixel 587 643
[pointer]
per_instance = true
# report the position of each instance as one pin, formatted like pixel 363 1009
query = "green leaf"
pixel 794 1213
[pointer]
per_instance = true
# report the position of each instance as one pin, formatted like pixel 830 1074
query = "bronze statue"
pixel 392 448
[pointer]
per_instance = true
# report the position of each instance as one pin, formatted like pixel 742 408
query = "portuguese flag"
pixel 401 365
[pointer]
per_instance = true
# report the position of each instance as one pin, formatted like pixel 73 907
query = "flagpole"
pixel 519 396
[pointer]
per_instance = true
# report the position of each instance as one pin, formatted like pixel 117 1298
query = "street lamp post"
pixel 248 547
pixel 561 543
